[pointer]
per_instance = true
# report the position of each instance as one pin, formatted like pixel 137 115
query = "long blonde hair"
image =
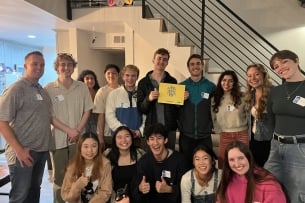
pixel 250 92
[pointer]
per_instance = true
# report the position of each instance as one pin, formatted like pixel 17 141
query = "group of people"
pixel 117 142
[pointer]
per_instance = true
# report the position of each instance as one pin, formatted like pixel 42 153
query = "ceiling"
pixel 18 19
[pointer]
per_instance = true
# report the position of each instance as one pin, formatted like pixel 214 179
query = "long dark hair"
pixel 254 175
pixel 82 75
pixel 114 153
pixel 236 94
pixel 213 156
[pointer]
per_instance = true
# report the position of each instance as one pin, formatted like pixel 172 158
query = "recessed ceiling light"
pixel 32 36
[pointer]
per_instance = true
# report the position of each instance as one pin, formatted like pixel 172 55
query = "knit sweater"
pixel 229 118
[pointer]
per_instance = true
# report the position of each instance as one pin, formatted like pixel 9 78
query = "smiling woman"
pixel 243 181
pixel 200 184
pixel 88 175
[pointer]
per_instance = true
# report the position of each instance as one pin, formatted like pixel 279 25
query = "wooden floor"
pixel 46 195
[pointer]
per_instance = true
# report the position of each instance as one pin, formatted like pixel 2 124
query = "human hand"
pixel 24 157
pixel 162 187
pixel 83 180
pixel 73 135
pixel 186 95
pixel 136 133
pixel 153 95
pixel 144 186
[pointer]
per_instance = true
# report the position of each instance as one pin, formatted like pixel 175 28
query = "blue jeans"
pixel 287 163
pixel 26 181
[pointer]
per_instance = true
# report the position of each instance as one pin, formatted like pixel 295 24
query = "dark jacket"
pixel 195 119
pixel 148 108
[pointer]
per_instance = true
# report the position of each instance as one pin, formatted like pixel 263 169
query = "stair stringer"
pixel 147 36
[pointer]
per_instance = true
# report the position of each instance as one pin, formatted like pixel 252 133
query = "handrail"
pixel 234 47
pixel 247 25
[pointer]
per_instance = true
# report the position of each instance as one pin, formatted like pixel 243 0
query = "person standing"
pixel 25 118
pixel 228 104
pixel 121 106
pixel 112 77
pixel 72 105
pixel 286 108
pixel 243 181
pixel 89 78
pixel 159 171
pixel 258 88
pixel 148 93
pixel 195 122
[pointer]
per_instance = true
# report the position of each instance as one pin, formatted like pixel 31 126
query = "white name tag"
pixel 299 101
pixel 39 97
pixel 59 98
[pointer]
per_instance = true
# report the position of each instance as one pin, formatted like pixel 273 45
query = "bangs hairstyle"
pixel 114 154
pixel 156 128
pixel 78 162
pixel 284 54
pixel 209 151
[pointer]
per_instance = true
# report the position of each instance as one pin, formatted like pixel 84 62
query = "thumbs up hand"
pixel 162 187
pixel 83 180
pixel 144 186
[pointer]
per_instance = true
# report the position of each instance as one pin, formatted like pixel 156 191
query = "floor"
pixel 46 195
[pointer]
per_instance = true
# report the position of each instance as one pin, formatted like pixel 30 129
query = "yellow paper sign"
pixel 171 93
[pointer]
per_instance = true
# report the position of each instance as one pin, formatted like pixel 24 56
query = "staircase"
pixel 223 37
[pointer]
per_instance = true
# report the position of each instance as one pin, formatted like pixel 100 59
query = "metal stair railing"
pixel 217 33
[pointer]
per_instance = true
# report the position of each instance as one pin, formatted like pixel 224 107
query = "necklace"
pixel 289 94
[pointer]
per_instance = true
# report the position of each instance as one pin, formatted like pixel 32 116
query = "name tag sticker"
pixel 230 107
pixel 166 174
pixel 59 98
pixel 299 101
pixel 39 97
pixel 205 95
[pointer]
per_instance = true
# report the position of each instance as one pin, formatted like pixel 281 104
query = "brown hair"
pixel 235 93
pixel 64 56
pixel 254 175
pixel 78 162
pixel 284 54
pixel 162 51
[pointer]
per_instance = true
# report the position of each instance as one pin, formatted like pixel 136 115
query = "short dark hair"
pixel 38 53
pixel 156 128
pixel 108 66
pixel 197 56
